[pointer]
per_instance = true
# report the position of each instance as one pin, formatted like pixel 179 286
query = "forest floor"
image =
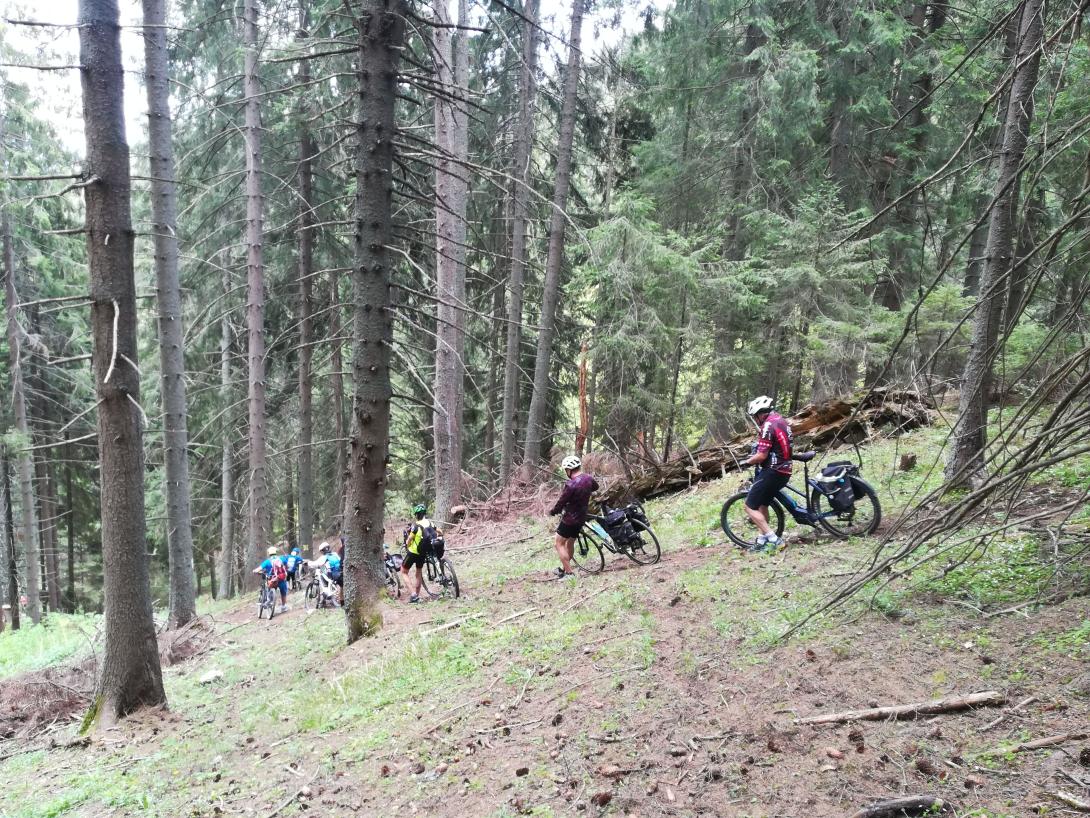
pixel 642 691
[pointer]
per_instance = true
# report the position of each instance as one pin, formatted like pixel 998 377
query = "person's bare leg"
pixel 419 579
pixel 759 517
pixel 406 581
pixel 564 550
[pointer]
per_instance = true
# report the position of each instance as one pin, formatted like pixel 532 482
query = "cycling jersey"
pixel 333 564
pixel 270 566
pixel 292 561
pixel 775 441
pixel 574 499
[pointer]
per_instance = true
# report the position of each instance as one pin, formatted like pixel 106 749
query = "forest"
pixel 276 272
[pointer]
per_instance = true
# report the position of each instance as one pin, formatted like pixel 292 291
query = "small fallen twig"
pixel 950 704
pixel 455 624
pixel 614 739
pixel 600 676
pixel 294 795
pixel 514 616
pixel 1026 702
pixel 1071 801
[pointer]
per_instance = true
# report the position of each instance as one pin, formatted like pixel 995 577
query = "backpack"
pixel 333 562
pixel 279 570
pixel 836 484
pixel 432 542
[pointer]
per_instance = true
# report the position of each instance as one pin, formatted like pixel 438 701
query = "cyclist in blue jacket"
pixel 275 573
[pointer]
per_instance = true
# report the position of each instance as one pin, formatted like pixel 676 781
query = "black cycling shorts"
pixel 766 486
pixel 411 559
pixel 339 579
pixel 569 531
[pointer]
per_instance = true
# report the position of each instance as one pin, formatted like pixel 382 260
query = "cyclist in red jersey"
pixel 773 454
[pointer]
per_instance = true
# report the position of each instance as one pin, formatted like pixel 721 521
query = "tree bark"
pixel 451 193
pixel 11 578
pixel 70 520
pixel 228 558
pixel 307 150
pixel 965 463
pixel 28 525
pixel 164 209
pixel 381 36
pixel 8 593
pixel 258 517
pixel 536 436
pixel 340 426
pixel 48 531
pixel 289 506
pixel 129 675
pixel 520 198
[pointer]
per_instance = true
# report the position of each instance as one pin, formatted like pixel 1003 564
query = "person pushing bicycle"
pixel 276 575
pixel 773 454
pixel 330 562
pixel 572 506
pixel 420 536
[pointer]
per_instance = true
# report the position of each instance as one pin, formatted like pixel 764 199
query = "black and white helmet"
pixel 571 462
pixel 761 404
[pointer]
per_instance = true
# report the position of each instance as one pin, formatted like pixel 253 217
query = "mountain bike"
pixel 439 573
pixel 266 600
pixel 298 579
pixel 823 506
pixel 620 531
pixel 320 592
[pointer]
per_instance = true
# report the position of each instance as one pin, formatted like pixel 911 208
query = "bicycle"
pixel 630 535
pixel 391 567
pixel 859 520
pixel 320 592
pixel 266 600
pixel 439 573
pixel 297 580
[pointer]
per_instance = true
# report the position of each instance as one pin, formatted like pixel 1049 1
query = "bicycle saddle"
pixel 804 457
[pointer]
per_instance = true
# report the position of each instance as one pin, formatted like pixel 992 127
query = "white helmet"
pixel 571 462
pixel 324 547
pixel 759 405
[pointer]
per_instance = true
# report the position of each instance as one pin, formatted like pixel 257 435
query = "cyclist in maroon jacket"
pixel 572 504
pixel 773 454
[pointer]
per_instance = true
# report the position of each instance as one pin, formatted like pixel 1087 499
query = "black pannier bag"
pixel 836 485
pixel 618 527
pixel 636 513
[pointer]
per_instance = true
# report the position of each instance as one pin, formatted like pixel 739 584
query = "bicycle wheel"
pixel 861 521
pixel 449 578
pixel 645 550
pixel 393 587
pixel 261 604
pixel 737 525
pixel 588 555
pixel 310 596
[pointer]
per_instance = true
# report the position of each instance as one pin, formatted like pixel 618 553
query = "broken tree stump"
pixel 908 462
pixel 901 807
pixel 949 704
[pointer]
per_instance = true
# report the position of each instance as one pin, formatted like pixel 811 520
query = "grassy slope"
pixel 670 673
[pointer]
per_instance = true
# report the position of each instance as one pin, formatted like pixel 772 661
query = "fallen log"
pixel 1047 741
pixel 818 425
pixel 949 704
pixel 1072 801
pixel 901 807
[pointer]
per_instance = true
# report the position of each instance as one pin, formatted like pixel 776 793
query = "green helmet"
pixel 420 508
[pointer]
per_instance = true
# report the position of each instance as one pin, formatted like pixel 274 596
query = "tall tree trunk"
pixel 340 426
pixel 583 429
pixel 1033 213
pixel 11 578
pixel 258 516
pixel 24 463
pixel 70 521
pixel 164 210
pixel 965 463
pixel 675 376
pixel 451 194
pixel 129 675
pixel 8 594
pixel 307 150
pixel 228 558
pixel 558 222
pixel 496 349
pixel 289 506
pixel 381 36
pixel 48 531
pixel 520 198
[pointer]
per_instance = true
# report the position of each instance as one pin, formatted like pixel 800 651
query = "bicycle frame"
pixel 801 514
